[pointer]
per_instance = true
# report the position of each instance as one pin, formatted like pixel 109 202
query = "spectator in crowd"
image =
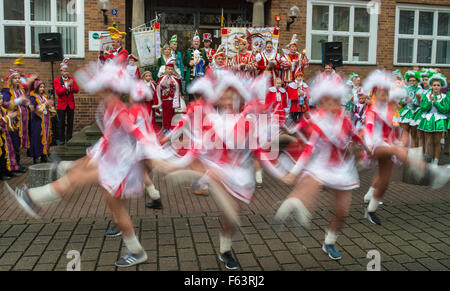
pixel 65 87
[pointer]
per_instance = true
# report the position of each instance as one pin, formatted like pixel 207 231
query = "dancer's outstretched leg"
pixel 83 173
pixel 301 202
pixel 135 252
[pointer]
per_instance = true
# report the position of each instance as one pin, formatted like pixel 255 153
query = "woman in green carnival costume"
pixel 354 81
pixel 425 88
pixel 409 109
pixel 435 106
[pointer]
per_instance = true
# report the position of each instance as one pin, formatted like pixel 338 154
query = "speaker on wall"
pixel 332 53
pixel 50 47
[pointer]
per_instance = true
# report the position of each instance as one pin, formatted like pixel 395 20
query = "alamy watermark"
pixel 75 263
pixel 205 132
pixel 373 7
pixel 375 262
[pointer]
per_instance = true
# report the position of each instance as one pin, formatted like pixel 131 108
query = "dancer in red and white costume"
pixel 382 139
pixel 113 162
pixel 170 93
pixel 298 97
pixel 276 100
pixel 325 161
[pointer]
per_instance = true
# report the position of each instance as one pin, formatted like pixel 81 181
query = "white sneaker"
pixel 295 206
pixel 63 167
pixel 415 155
pixel 439 175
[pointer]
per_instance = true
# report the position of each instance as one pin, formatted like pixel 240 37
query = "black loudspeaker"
pixel 50 47
pixel 332 53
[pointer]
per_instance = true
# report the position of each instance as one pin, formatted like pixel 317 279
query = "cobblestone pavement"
pixel 414 235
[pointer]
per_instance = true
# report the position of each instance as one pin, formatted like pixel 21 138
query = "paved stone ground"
pixel 415 234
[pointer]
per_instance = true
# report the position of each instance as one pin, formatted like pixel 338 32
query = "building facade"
pixel 391 34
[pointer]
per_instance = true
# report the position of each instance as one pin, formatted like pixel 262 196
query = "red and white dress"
pixel 326 157
pixel 272 60
pixel 379 128
pixel 298 103
pixel 119 168
pixel 169 91
pixel 276 102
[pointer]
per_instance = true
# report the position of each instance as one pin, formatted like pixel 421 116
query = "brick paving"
pixel 415 234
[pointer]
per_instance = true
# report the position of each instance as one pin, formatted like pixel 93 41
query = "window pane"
pixel 14 10
pixel 426 23
pixel 14 39
pixel 444 24
pixel 341 18
pixel 406 22
pixel 35 31
pixel 40 10
pixel 320 18
pixel 316 47
pixel 360 49
pixel 362 20
pixel 65 11
pixel 443 52
pixel 69 39
pixel 344 40
pixel 424 51
pixel 405 50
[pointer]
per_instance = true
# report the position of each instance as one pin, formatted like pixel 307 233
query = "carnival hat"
pixel 379 79
pixel 412 74
pixel 64 64
pixel 207 37
pixel 438 77
pixel 330 87
pixel 19 60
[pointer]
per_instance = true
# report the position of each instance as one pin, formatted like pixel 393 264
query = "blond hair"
pixel 10 84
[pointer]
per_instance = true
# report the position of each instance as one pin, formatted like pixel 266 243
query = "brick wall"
pixel 386 30
pixel 93 19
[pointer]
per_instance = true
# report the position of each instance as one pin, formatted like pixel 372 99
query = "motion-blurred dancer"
pixel 327 160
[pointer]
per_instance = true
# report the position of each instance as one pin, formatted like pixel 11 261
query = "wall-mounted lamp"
pixel 104 6
pixel 277 19
pixel 293 14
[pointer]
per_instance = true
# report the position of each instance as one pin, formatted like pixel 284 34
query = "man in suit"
pixel 65 87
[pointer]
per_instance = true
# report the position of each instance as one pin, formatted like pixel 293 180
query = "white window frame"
pixel 53 24
pixel 372 34
pixel 415 36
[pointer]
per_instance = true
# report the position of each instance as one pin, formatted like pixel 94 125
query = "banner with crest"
pixel 148 44
pixel 257 37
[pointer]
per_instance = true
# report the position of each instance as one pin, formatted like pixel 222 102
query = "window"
pixel 21 22
pixel 348 22
pixel 422 36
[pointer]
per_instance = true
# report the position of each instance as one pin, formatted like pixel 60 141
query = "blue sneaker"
pixel 114 231
pixel 332 252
